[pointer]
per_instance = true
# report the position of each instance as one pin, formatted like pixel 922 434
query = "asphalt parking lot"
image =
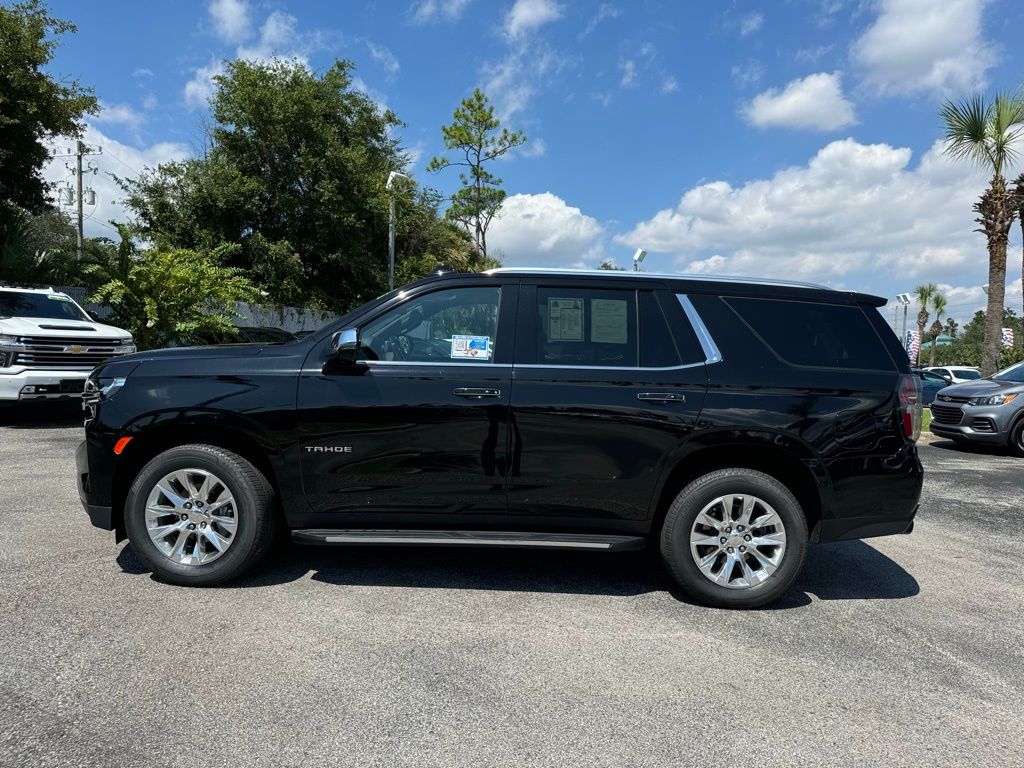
pixel 902 651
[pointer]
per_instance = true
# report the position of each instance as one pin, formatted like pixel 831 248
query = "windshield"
pixel 965 373
pixel 53 306
pixel 1013 373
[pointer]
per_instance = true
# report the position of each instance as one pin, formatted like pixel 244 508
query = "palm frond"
pixel 967 129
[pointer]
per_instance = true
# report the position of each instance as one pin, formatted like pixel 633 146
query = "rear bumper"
pixel 865 527
pixel 48 385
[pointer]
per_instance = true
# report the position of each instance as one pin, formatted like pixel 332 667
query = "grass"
pixel 926 419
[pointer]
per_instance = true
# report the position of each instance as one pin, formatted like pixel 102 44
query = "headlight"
pixel 9 346
pixel 993 399
pixel 125 346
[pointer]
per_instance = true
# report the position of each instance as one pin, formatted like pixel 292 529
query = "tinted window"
pixel 806 333
pixel 966 373
pixel 53 306
pixel 457 325
pixel 583 326
pixel 657 348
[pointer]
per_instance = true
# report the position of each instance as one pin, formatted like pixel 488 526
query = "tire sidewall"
pixel 245 509
pixel 675 542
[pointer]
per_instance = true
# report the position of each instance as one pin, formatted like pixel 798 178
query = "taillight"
pixel 910 405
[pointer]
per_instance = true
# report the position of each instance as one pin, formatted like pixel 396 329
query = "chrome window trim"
pixel 434 364
pixel 707 343
pixel 609 367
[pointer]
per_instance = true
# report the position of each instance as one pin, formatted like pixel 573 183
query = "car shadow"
pixel 979 449
pixel 850 570
pixel 42 415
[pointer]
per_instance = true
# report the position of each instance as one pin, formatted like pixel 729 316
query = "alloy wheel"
pixel 191 516
pixel 738 541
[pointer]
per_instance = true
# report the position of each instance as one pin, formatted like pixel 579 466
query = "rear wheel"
pixel 199 515
pixel 734 538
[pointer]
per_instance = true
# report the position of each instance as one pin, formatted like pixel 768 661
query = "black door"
pixel 603 395
pixel 416 433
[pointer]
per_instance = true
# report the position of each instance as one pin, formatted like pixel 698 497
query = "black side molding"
pixel 508 539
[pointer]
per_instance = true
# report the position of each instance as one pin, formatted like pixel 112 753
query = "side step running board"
pixel 528 540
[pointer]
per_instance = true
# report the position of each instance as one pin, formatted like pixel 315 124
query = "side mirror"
pixel 345 345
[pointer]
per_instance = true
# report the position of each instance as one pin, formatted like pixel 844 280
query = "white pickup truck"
pixel 49 344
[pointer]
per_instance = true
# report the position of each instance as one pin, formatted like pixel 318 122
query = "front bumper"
pixel 44 385
pixel 102 516
pixel 984 424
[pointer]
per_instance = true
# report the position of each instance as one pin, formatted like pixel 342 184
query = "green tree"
pixel 1018 193
pixel 34 108
pixel 986 134
pixel 609 264
pixel 968 346
pixel 39 248
pixel 474 134
pixel 294 175
pixel 939 305
pixel 165 296
pixel 924 295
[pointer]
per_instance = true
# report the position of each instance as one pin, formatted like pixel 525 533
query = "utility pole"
pixel 82 150
pixel 391 228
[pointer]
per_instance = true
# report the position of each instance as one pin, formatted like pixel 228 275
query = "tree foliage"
pixel 968 345
pixel 164 296
pixel 474 135
pixel 294 175
pixel 34 108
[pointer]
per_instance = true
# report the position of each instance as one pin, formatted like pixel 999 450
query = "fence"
pixel 291 319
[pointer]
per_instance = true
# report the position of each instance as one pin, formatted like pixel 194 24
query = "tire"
pixel 1017 437
pixel 752 585
pixel 248 516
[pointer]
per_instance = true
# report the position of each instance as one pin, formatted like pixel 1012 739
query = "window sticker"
pixel 565 319
pixel 57 297
pixel 471 347
pixel 609 321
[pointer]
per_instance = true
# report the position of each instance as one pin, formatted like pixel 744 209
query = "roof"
pixel 655 275
pixel 20 289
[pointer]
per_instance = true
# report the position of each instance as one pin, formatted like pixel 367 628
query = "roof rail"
pixel 663 275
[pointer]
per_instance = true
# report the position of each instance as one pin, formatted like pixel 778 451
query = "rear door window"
pixel 586 326
pixel 814 334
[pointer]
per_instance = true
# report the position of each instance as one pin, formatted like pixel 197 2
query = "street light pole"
pixel 391 229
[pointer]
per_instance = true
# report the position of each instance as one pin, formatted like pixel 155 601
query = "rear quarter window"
pixel 814 334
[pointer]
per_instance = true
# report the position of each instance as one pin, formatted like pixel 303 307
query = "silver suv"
pixel 988 411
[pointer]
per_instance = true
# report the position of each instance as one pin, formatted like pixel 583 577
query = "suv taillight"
pixel 910 405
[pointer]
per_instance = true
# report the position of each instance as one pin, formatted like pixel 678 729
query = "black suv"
pixel 727 422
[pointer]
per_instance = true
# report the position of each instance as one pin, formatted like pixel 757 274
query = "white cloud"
pixel 116 159
pixel 527 15
pixel 278 36
pixel 628 67
pixel 512 81
pixel 119 114
pixel 199 89
pixel 750 23
pixel 542 230
pixel 605 11
pixel 669 84
pixel 924 45
pixel 429 11
pixel 230 19
pixel 142 72
pixel 816 103
pixel 856 213
pixel 533 148
pixel 747 74
pixel 383 56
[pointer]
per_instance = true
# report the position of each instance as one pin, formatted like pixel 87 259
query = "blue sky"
pixel 789 139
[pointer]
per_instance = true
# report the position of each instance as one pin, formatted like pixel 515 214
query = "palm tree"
pixel 939 305
pixel 987 134
pixel 924 294
pixel 1018 190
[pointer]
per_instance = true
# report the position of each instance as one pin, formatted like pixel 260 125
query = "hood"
pixel 980 388
pixel 48 326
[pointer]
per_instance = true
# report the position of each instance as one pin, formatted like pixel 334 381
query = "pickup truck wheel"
pixel 199 515
pixel 734 538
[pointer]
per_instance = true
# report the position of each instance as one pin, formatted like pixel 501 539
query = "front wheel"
pixel 1017 437
pixel 199 515
pixel 734 538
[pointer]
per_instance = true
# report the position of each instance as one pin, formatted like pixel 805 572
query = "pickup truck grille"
pixel 946 414
pixel 64 353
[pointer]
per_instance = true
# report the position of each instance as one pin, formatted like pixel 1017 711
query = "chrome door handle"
pixel 476 392
pixel 661 397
